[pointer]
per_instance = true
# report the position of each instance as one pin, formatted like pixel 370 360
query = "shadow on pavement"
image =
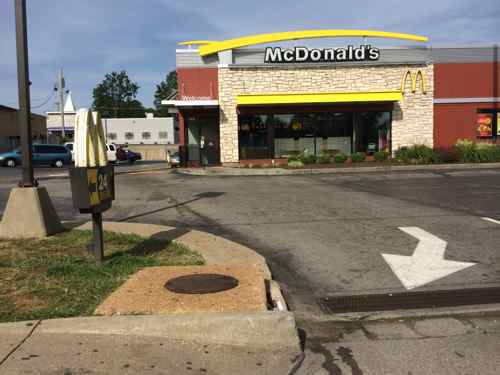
pixel 210 194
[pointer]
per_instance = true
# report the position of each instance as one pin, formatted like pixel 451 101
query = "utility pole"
pixel 62 85
pixel 24 117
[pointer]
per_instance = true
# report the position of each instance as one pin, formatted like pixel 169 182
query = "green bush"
pixel 307 159
pixel 470 152
pixel 323 159
pixel 340 158
pixel 466 150
pixel 417 154
pixel 487 152
pixel 358 157
pixel 295 163
pixel 381 156
pixel 447 155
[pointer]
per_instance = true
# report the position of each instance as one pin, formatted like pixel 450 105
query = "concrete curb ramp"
pixel 214 249
pixel 232 171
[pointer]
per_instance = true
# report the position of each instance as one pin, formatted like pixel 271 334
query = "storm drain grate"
pixel 410 300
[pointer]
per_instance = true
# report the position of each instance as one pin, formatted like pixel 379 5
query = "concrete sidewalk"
pixel 174 344
pixel 235 171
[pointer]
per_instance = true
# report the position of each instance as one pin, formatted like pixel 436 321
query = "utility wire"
pixel 45 101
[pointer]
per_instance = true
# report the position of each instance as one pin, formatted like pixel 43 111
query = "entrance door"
pixel 203 140
pixel 210 153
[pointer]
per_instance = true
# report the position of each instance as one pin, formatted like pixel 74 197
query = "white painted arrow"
pixel 427 262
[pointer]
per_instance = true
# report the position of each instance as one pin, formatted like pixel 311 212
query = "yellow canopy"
pixel 346 97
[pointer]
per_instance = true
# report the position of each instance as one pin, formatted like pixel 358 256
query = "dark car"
pixel 126 155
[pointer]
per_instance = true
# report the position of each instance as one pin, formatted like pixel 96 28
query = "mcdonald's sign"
pixel 414 81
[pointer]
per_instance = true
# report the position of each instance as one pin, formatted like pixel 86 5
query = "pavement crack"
pixel 16 348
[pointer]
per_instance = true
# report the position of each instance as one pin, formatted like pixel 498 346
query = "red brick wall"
pixel 456 121
pixel 465 80
pixel 198 82
pixel 462 80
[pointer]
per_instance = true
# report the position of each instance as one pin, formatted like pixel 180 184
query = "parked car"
pixel 126 155
pixel 55 155
pixel 175 159
pixel 110 151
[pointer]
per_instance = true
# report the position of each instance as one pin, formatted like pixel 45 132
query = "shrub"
pixel 340 158
pixel 295 164
pixel 447 155
pixel 417 154
pixel 466 150
pixel 487 152
pixel 358 157
pixel 307 158
pixel 470 152
pixel 381 156
pixel 323 159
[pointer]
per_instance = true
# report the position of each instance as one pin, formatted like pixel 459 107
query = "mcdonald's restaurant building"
pixel 238 103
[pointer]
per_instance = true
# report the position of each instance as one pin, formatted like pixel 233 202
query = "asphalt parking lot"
pixel 324 235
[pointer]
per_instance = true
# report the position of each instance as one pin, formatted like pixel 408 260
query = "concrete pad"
pixel 214 249
pixel 12 334
pixel 64 354
pixel 145 292
pixel 29 214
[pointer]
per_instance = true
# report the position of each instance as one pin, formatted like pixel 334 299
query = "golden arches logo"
pixel 414 81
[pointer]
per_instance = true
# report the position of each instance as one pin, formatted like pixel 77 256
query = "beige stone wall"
pixel 412 121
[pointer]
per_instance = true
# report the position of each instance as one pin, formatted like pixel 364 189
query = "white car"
pixel 110 151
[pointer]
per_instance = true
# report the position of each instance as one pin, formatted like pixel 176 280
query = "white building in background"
pixel 54 121
pixel 140 131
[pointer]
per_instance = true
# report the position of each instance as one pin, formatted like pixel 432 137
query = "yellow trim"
pixel 196 42
pixel 414 81
pixel 215 47
pixel 346 97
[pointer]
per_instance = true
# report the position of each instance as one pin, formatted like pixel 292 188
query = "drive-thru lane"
pixel 324 235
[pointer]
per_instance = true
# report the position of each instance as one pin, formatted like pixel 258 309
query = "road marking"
pixel 491 220
pixel 427 263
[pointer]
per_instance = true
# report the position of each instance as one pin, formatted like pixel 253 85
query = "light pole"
pixel 24 116
pixel 29 211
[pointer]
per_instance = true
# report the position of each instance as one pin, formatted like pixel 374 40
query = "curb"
pixel 63 176
pixel 228 171
pixel 259 331
pixel 441 312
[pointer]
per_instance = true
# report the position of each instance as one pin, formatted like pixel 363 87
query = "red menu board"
pixel 484 124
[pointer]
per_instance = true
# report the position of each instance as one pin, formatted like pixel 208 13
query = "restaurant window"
pixel 253 136
pixel 146 135
pixel 312 133
pixel 372 132
pixel 112 136
pixel 129 136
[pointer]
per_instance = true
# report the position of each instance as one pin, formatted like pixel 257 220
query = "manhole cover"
pixel 201 283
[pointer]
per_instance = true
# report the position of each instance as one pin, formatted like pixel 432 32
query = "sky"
pixel 89 38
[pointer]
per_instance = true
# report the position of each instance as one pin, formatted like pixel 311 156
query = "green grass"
pixel 57 277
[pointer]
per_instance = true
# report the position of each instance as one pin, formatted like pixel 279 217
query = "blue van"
pixel 54 155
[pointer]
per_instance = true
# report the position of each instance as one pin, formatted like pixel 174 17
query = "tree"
pixel 116 95
pixel 163 91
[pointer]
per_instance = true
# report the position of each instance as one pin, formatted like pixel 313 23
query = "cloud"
pixel 93 37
